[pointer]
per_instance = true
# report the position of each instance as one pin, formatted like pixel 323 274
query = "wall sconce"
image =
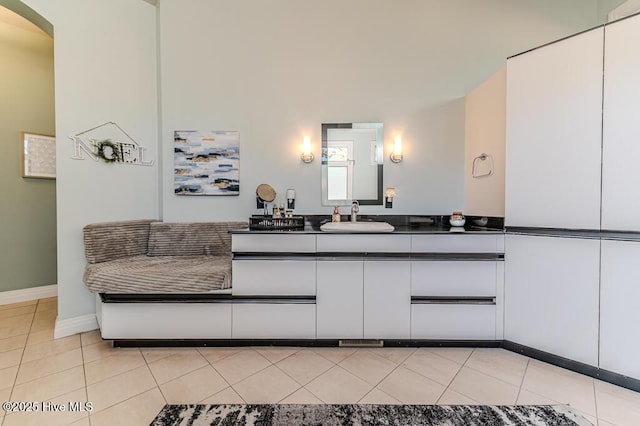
pixel 307 155
pixel 396 154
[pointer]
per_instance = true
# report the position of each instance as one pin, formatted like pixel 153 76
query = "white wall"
pixel 105 70
pixel 276 70
pixel 485 133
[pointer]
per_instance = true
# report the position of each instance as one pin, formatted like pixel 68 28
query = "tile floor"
pixel 129 386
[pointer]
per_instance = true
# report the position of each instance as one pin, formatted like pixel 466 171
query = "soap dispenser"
pixel 335 217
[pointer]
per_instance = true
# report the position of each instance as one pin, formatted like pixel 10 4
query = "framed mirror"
pixel 351 163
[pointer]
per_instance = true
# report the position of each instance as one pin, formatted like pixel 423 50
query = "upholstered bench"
pixel 157 281
pixel 152 257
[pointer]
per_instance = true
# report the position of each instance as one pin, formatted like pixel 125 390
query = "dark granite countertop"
pixel 403 224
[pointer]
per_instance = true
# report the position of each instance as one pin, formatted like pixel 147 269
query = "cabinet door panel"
pixel 273 243
pixel 166 320
pixel 274 277
pixel 453 278
pixel 554 117
pixel 456 243
pixel 274 321
pixel 339 300
pixel 387 299
pixel 621 132
pixel 619 316
pixel 371 243
pixel 552 295
pixel 453 322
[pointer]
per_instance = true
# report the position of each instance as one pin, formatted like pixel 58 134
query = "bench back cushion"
pixel 191 239
pixel 116 240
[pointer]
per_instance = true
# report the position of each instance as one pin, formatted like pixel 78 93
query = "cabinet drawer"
pixel 274 321
pixel 369 243
pixel 453 278
pixel 273 243
pixel 166 320
pixel 274 277
pixel 457 243
pixel 453 322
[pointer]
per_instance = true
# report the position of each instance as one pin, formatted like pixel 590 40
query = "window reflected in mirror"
pixel 352 163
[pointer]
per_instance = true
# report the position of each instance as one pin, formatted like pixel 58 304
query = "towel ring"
pixel 476 161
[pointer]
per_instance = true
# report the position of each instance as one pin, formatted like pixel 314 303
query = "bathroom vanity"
pixel 408 285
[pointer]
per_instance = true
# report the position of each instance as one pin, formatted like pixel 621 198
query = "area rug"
pixel 352 414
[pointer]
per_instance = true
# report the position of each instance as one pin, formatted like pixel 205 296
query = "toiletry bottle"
pixel 335 217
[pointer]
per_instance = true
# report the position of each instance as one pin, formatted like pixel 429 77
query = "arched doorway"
pixel 28 242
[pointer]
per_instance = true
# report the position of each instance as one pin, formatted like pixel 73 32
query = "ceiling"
pixel 9 17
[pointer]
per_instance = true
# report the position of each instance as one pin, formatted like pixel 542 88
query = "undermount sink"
pixel 357 227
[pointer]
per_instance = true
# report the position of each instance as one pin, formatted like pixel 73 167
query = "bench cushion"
pixel 116 240
pixel 191 239
pixel 159 275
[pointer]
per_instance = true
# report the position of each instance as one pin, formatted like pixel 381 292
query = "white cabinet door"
pixel 387 299
pixel 552 295
pixel 339 304
pixel 274 321
pixel 258 277
pixel 621 132
pixel 453 321
pixel 454 278
pixel 554 121
pixel 619 313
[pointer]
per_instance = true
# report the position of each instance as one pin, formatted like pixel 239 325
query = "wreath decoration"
pixel 115 153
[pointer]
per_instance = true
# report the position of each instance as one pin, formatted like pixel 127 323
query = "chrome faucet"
pixel 355 208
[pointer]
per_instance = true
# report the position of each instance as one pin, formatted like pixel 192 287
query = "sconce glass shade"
pixel 307 155
pixel 396 154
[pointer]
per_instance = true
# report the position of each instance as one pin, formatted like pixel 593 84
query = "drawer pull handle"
pixel 426 300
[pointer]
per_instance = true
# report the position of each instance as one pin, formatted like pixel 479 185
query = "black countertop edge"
pixel 575 233
pixel 398 230
pixel 368 255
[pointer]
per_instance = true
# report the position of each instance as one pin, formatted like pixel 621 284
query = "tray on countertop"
pixel 259 222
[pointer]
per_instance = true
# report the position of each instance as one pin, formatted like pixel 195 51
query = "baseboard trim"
pixel 390 343
pixel 28 294
pixel 75 325
pixel 578 367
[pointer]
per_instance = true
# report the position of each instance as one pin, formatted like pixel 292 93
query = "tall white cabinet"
pixel 621 132
pixel 619 313
pixel 554 104
pixel 572 159
pixel 551 295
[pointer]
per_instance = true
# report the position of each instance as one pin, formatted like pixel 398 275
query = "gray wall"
pixel 276 70
pixel 27 206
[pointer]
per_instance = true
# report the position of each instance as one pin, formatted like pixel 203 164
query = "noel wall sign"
pixel 110 144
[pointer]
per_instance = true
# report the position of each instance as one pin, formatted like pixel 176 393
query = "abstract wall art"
pixel 206 162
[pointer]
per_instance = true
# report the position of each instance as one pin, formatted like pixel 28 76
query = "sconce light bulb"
pixel 396 155
pixel 307 155
pixel 397 148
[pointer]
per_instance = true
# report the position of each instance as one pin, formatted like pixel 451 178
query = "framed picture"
pixel 206 162
pixel 38 156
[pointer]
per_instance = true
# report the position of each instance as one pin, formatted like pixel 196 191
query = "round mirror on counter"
pixel 265 194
